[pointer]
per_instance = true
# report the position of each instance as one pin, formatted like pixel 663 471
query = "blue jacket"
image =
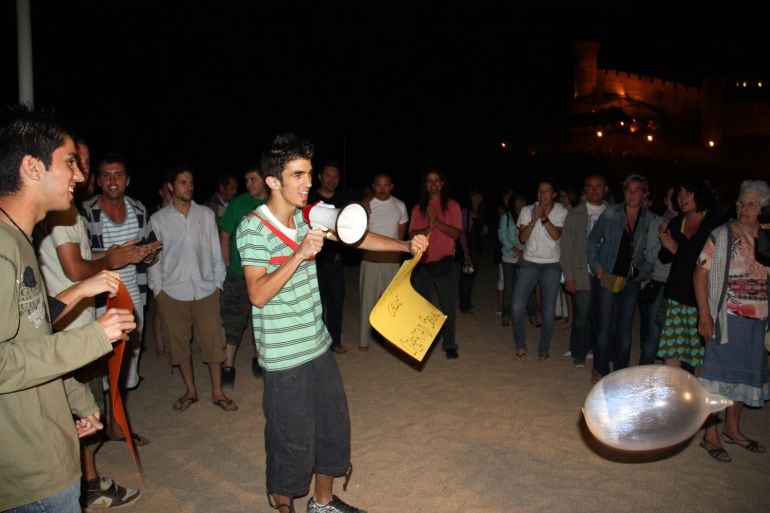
pixel 604 240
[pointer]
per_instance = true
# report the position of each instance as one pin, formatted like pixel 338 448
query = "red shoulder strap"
pixel 278 233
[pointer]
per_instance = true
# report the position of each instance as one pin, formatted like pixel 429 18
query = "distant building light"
pixel 503 145
pixel 760 84
pixel 622 123
pixel 712 144
pixel 599 133
pixel 745 84
pixel 737 83
pixel 649 137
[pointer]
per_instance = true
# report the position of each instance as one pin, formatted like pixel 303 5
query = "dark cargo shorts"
pixel 307 428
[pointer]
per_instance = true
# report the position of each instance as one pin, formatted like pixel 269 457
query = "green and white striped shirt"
pixel 289 329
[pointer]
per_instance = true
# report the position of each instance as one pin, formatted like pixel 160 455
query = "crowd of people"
pixel 691 272
pixel 251 268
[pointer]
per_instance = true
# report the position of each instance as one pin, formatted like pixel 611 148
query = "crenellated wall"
pixel 677 101
pixel 695 118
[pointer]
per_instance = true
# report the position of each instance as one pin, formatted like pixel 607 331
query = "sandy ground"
pixel 481 433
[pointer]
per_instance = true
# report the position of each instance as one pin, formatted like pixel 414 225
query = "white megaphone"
pixel 349 224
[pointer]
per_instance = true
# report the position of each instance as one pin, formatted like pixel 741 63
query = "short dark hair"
pixel 25 131
pixel 223 180
pixel 174 170
pixel 251 167
pixel 331 163
pixel 113 158
pixel 282 150
pixel 596 175
pixel 550 181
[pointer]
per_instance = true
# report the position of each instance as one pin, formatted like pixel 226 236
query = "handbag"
pixel 613 282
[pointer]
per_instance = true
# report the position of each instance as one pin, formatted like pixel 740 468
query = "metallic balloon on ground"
pixel 648 407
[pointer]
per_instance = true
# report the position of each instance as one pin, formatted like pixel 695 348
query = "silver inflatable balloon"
pixel 648 407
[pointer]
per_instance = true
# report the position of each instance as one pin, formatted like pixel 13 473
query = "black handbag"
pixel 649 292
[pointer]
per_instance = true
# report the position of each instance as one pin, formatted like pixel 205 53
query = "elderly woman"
pixel 616 256
pixel 731 289
pixel 682 240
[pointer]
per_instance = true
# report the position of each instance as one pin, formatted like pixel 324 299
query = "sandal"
pixel 521 354
pixel 748 444
pixel 716 452
pixel 226 404
pixel 184 402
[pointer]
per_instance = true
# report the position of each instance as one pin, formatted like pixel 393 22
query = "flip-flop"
pixel 748 444
pixel 183 403
pixel 716 452
pixel 226 404
pixel 138 439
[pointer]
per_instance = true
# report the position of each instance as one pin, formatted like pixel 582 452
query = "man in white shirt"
pixel 187 282
pixel 387 216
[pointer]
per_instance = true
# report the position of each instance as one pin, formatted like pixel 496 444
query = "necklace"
pixel 17 226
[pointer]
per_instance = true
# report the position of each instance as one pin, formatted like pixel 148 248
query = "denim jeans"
pixel 331 286
pixel 585 320
pixel 446 286
pixel 509 279
pixel 66 501
pixel 549 276
pixel 649 331
pixel 616 316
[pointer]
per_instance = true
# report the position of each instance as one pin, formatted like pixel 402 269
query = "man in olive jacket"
pixel 578 279
pixel 39 450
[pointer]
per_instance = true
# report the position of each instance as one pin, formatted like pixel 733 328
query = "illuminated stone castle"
pixel 618 113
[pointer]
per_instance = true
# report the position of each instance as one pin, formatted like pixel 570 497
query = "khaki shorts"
pixel 182 319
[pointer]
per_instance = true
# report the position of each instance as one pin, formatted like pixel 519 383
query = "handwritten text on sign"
pixel 404 317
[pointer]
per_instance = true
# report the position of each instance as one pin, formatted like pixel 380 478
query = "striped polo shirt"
pixel 289 329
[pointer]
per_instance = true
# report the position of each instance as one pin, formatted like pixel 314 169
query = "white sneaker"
pixel 590 355
pixel 567 354
pixel 335 506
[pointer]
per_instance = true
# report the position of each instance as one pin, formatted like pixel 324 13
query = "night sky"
pixel 377 86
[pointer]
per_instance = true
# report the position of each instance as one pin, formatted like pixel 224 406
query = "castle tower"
pixel 586 67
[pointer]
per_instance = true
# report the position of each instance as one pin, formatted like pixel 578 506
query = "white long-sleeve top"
pixel 191 265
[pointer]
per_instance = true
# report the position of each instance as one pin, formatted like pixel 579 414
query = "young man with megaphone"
pixel 277 247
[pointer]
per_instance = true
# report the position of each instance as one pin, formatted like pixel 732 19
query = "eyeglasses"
pixel 751 205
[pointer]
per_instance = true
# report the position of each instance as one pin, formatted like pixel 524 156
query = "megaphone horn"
pixel 349 224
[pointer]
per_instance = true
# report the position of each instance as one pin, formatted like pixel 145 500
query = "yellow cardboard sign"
pixel 404 317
